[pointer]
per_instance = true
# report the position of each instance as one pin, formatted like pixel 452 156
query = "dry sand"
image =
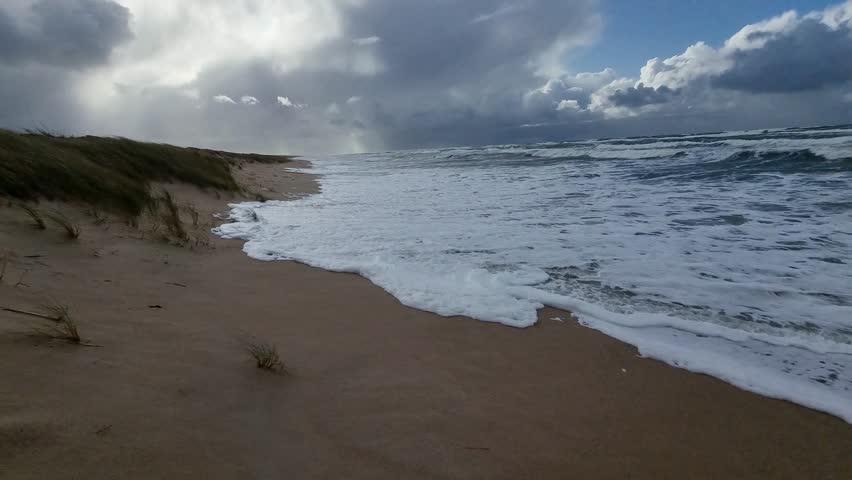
pixel 377 390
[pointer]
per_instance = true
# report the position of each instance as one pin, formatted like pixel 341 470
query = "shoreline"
pixel 377 389
pixel 698 346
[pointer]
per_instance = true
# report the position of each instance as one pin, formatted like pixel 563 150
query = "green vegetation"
pixel 193 213
pixel 72 230
pixel 171 216
pixel 266 356
pixel 34 214
pixel 60 326
pixel 113 174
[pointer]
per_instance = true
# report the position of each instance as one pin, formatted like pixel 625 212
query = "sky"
pixel 629 43
pixel 340 76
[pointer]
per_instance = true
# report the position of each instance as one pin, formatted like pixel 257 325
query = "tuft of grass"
pixel 44 131
pixel 131 221
pixel 171 216
pixel 266 356
pixel 97 217
pixel 153 212
pixel 34 214
pixel 192 211
pixel 199 240
pixel 72 230
pixel 60 327
pixel 113 174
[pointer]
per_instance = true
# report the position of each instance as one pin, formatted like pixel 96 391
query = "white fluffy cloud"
pixel 798 61
pixel 698 61
pixel 287 103
pixel 224 99
pixel 568 105
pixel 178 40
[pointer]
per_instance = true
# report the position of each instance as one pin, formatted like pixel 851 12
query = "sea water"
pixel 727 253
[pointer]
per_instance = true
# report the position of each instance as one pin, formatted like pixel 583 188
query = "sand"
pixel 375 390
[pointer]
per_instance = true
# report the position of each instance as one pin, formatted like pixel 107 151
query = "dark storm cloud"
pixel 67 33
pixel 446 42
pixel 640 95
pixel 450 72
pixel 37 97
pixel 810 56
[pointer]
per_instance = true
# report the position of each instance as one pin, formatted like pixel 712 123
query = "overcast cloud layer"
pixel 316 76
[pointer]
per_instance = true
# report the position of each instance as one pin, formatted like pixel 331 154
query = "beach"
pixel 374 389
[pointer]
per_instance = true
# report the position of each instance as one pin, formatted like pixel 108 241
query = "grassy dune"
pixel 114 174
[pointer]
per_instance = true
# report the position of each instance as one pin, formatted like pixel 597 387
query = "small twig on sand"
pixel 176 284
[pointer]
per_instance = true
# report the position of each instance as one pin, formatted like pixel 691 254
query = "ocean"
pixel 727 253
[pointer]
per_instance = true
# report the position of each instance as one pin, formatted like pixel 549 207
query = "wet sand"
pixel 375 390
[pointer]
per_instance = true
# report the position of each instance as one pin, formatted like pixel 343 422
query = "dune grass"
pixel 193 213
pixel 112 174
pixel 59 326
pixel 34 214
pixel 170 214
pixel 266 356
pixel 72 229
pixel 98 218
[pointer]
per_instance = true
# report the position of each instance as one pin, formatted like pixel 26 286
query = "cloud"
pixel 287 103
pixel 696 62
pixel 812 55
pixel 788 69
pixel 224 99
pixel 568 105
pixel 502 10
pixel 640 95
pixel 362 42
pixel 422 69
pixel 579 88
pixel 390 74
pixel 787 53
pixel 68 33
